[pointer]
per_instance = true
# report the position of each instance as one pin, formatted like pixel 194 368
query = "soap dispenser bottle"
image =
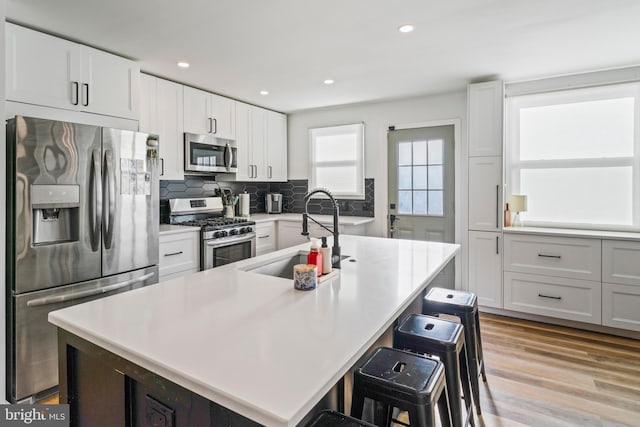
pixel 325 251
pixel 315 257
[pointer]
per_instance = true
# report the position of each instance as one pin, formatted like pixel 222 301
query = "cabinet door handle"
pixel 550 256
pixel 498 206
pixel 85 94
pixel 215 126
pixel 270 172
pixel 497 245
pixel 75 93
pixel 549 296
pixel 174 253
pixel 161 166
pixel 210 124
pixel 263 237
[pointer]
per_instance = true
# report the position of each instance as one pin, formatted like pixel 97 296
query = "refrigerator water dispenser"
pixel 55 213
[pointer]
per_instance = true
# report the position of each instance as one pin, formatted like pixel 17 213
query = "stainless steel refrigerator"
pixel 82 223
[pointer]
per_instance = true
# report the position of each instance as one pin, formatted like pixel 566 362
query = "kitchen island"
pixel 248 342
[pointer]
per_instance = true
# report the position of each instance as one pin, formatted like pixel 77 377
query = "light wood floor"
pixel 541 375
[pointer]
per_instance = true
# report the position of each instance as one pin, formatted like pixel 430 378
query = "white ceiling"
pixel 288 47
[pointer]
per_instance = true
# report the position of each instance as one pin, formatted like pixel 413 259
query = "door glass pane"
pixel 420 202
pixel 435 152
pixel 435 177
pixel 404 178
pixel 435 203
pixel 420 178
pixel 404 153
pixel 404 202
pixel 420 152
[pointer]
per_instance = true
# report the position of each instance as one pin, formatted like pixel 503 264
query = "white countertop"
pixel 175 229
pixel 567 232
pixel 324 219
pixel 253 343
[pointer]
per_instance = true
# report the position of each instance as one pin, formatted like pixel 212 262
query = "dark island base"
pixel 104 389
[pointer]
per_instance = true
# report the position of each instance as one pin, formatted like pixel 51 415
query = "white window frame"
pixel 356 129
pixel 512 147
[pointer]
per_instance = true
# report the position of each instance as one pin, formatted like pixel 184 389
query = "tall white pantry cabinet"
pixel 485 110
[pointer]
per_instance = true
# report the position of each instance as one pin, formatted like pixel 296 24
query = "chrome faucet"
pixel 335 256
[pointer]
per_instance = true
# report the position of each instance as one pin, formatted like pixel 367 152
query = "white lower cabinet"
pixel 560 297
pixel 621 306
pixel 265 237
pixel 485 267
pixel 179 254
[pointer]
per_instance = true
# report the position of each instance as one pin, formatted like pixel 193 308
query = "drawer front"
pixel 620 306
pixel 621 262
pixel 179 252
pixel 265 238
pixel 571 299
pixel 553 256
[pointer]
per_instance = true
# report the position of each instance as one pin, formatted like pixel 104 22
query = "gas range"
pixel 216 227
pixel 223 240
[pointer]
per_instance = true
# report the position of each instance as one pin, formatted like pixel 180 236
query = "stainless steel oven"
pixel 225 250
pixel 222 240
pixel 206 153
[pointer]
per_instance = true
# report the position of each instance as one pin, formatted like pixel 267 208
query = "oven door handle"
pixel 219 243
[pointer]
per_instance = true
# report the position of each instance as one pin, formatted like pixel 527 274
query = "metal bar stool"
pixel 464 305
pixel 444 339
pixel 329 418
pixel 404 380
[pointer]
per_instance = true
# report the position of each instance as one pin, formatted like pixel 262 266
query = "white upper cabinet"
pixel 49 71
pixel 161 113
pixel 276 146
pixel 261 140
pixel 206 113
pixel 485 193
pixel 485 119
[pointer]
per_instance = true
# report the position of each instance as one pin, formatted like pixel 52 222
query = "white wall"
pixel 377 118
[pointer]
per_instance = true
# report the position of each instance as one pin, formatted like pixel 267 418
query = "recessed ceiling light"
pixel 264 92
pixel 407 28
pixel 329 81
pixel 183 64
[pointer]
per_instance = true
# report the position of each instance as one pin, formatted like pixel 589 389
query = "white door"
pixel 223 113
pixel 276 146
pixel 110 84
pixel 243 142
pixel 148 121
pixel 258 143
pixel 197 107
pixel 170 130
pixel 421 187
pixel 485 119
pixel 485 267
pixel 42 69
pixel 485 193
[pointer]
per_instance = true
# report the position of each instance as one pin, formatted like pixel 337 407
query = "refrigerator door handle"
pixel 110 207
pixel 89 292
pixel 95 197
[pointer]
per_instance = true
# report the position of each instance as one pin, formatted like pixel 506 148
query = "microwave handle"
pixel 228 157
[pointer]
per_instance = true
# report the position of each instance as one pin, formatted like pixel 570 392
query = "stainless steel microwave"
pixel 206 153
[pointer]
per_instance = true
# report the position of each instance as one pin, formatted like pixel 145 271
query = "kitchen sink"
pixel 283 266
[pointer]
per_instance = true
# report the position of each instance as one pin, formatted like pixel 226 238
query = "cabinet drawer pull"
pixel 550 256
pixel 263 237
pixel 549 296
pixel 75 96
pixel 174 253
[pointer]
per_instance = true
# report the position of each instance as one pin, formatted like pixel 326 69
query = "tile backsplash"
pixel 293 192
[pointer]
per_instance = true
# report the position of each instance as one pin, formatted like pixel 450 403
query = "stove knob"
pixel 242 230
pixel 223 234
pixel 249 229
pixel 233 232
pixel 217 234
